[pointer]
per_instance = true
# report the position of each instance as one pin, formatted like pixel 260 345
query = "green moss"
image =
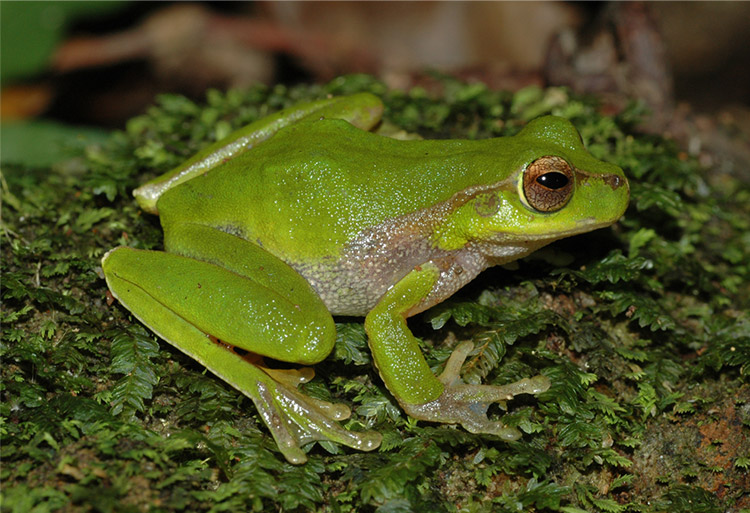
pixel 642 329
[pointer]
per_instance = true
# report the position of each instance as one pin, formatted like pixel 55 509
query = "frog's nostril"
pixel 614 181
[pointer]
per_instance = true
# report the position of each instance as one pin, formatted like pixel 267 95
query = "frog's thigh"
pixel 286 321
pixel 183 299
pixel 173 328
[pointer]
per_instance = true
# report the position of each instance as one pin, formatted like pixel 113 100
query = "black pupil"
pixel 553 180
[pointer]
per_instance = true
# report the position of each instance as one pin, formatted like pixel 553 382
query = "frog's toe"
pixel 291 378
pixel 295 419
pixel 465 404
pixel 480 424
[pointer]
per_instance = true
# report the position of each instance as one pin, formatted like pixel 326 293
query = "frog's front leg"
pixel 252 301
pixel 406 374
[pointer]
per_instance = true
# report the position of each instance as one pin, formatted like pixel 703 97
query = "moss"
pixel 642 328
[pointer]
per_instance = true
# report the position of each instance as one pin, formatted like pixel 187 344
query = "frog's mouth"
pixel 585 225
pixel 536 241
pixel 506 247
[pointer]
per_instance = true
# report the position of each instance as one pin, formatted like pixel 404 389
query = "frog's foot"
pixel 295 419
pixel 467 405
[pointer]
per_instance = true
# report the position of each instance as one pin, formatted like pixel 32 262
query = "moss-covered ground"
pixel 643 329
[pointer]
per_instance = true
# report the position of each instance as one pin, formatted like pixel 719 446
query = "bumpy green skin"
pixel 321 217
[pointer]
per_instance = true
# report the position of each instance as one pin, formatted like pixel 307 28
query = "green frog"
pixel 308 214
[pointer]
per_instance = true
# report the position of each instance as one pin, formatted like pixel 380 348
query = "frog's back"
pixel 313 187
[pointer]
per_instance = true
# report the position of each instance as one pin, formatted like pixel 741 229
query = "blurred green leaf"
pixel 30 32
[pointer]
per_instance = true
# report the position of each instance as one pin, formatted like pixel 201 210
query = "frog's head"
pixel 553 188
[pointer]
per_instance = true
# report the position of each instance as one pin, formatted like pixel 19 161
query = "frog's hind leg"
pixel 188 302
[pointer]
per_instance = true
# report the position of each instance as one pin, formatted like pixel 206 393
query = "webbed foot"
pixel 465 404
pixel 295 419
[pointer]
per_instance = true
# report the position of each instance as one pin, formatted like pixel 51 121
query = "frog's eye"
pixel 548 184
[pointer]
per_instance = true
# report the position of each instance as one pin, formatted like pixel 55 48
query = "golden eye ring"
pixel 548 183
